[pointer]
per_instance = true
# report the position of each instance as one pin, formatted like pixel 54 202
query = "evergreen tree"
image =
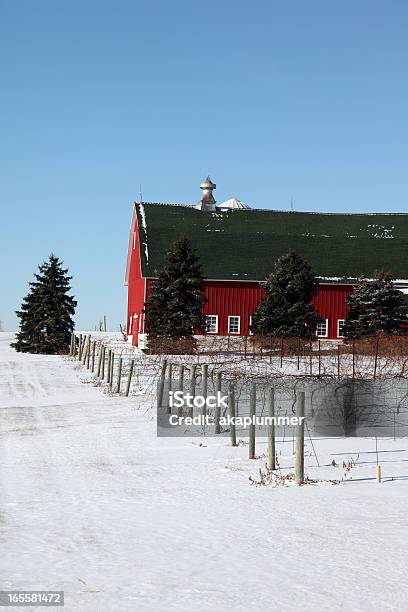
pixel 173 309
pixel 375 306
pixel 286 310
pixel 46 312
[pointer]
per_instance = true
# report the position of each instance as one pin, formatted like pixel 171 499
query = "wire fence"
pixel 356 393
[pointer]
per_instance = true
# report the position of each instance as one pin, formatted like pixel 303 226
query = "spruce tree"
pixel 374 307
pixel 286 310
pixel 46 312
pixel 174 307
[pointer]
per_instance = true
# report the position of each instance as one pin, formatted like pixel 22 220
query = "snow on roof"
pixel 246 242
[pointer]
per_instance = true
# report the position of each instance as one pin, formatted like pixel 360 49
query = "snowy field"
pixel 94 504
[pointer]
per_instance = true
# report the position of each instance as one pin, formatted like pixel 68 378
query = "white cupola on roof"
pixel 233 204
pixel 207 199
pixel 209 204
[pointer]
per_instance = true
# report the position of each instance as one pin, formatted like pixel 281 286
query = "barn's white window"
pixel 340 328
pixel 322 328
pixel 234 324
pixel 212 324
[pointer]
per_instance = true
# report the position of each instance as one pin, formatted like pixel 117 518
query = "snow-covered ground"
pixel 93 503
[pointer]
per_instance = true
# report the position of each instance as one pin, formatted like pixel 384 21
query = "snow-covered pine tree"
pixel 286 310
pixel 375 306
pixel 174 307
pixel 46 312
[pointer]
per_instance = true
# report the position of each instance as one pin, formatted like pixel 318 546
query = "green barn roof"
pixel 244 244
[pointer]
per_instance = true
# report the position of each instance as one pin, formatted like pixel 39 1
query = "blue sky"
pixel 276 100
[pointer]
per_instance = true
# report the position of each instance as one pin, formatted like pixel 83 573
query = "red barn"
pixel 238 247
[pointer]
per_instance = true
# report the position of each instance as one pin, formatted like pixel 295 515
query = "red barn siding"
pixel 232 298
pixel 242 298
pixel 226 298
pixel 136 289
pixel 330 303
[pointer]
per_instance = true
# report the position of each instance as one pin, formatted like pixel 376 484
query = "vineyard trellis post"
pixel 231 408
pixel 252 415
pixel 192 388
pixel 93 357
pixel 376 357
pixel 180 387
pixel 103 363
pixel 99 370
pixel 169 383
pixel 300 438
pixel 118 383
pixel 217 414
pixel 88 355
pixel 271 430
pixel 161 383
pixel 111 370
pixel 129 378
pixel 204 386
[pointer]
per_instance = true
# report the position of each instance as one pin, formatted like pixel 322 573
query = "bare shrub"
pixel 172 346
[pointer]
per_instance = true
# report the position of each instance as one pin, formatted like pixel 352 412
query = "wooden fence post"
pixel 88 355
pixel 86 349
pixel 192 388
pixel 204 386
pixel 80 348
pixel 217 427
pixel 376 357
pixel 162 379
pixel 271 430
pixel 180 388
pixel 103 363
pixel 338 361
pixel 111 370
pixel 117 390
pixel 170 375
pixel 354 358
pixel 83 355
pixel 93 356
pixel 169 378
pixel 108 369
pixel 252 415
pixel 231 408
pixel 300 439
pixel 129 378
pixel 298 354
pixel 99 370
